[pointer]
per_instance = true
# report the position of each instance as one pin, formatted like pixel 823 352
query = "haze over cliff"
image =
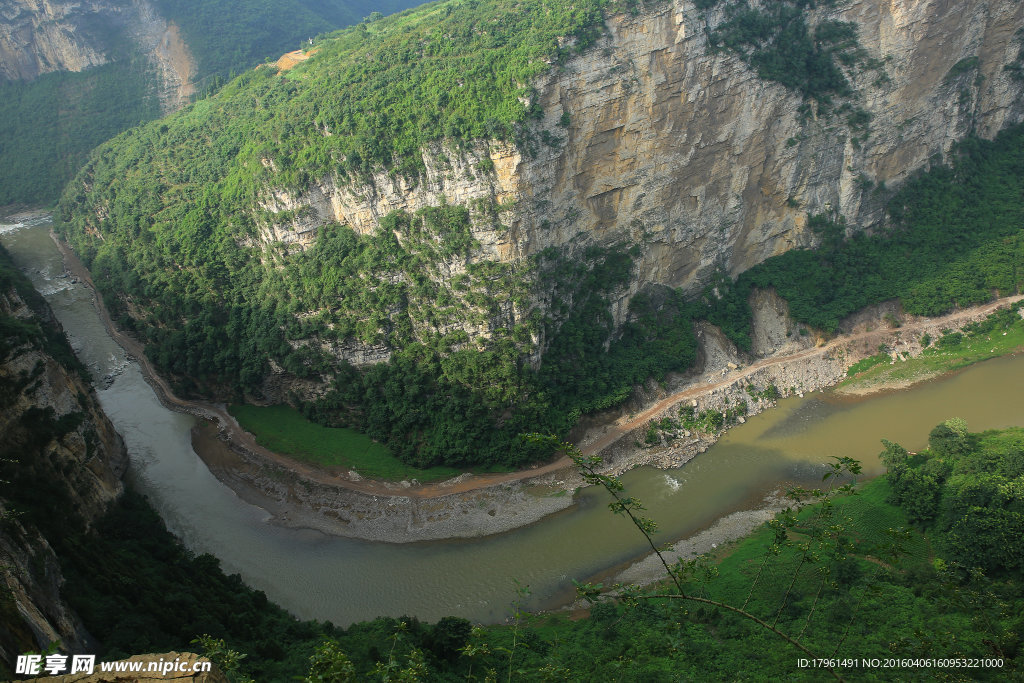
pixel 74 73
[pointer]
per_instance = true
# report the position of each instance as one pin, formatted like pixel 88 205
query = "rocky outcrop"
pixel 161 42
pixel 39 36
pixel 91 455
pixel 44 36
pixel 449 176
pixel 655 140
pixel 61 464
pixel 709 166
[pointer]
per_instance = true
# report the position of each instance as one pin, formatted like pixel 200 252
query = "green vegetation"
pixel 441 398
pixel 965 65
pixel 182 262
pixel 844 578
pixel 229 37
pixel 953 239
pixel 153 595
pixel 999 334
pixel 51 124
pixel 776 41
pixel 444 398
pixel 284 430
pixel 866 364
pixel 769 393
pixel 966 489
pixel 709 421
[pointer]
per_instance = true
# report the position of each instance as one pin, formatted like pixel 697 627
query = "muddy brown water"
pixel 325 577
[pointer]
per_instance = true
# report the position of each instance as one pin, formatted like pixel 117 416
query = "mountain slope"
pixel 514 206
pixel 73 74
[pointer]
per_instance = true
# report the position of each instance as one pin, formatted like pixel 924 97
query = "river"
pixel 343 580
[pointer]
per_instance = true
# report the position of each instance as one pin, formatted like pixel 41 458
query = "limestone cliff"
pixel 61 464
pixel 40 37
pixel 650 160
pixel 44 36
pixel 687 152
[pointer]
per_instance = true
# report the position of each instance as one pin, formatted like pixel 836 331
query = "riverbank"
pixel 480 505
pixel 297 501
pixel 792 362
pixel 343 503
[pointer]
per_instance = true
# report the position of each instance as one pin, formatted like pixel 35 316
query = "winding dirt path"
pixel 620 429
pixel 230 428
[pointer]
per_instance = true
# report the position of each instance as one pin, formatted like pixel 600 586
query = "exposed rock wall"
pixel 40 36
pixel 44 36
pixel 710 166
pixel 96 463
pixel 161 41
pixel 693 156
pixel 452 176
pixel 77 472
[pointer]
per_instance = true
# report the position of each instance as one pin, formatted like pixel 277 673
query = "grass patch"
pixel 867 519
pixel 284 430
pixel 975 346
pixel 865 364
pixel 870 517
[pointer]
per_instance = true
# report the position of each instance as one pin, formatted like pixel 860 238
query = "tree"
pixel 330 665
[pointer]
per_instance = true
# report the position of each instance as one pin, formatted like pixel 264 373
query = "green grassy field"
pixel 938 359
pixel 865 364
pixel 284 430
pixel 867 520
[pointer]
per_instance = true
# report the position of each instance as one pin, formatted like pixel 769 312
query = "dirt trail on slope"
pixel 232 431
pixel 620 429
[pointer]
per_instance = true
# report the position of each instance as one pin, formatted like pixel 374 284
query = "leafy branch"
pixel 630 506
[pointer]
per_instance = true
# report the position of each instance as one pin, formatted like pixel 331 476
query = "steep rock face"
pixel 93 449
pixel 63 462
pixel 44 36
pixel 691 154
pixel 712 167
pixel 451 176
pixel 161 42
pixel 38 37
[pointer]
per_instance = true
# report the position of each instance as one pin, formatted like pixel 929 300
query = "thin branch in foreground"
pixel 628 505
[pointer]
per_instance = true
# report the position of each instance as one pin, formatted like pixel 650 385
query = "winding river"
pixel 343 580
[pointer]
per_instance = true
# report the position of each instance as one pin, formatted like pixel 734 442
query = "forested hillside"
pixel 230 37
pixel 351 235
pixel 52 122
pixel 952 238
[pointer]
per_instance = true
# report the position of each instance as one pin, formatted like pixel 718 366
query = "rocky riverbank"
pixel 298 501
pixel 794 361
pixel 784 355
pixel 470 505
